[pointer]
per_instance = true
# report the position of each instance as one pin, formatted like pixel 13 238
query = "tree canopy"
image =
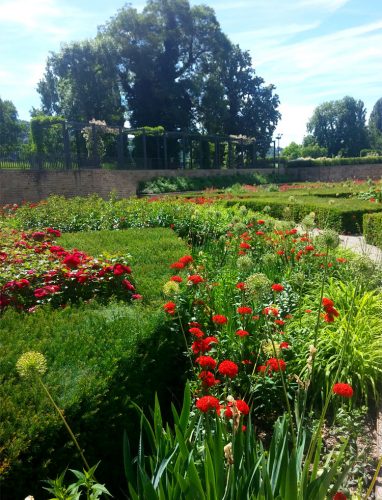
pixel 340 126
pixel 375 125
pixel 169 65
pixel 11 128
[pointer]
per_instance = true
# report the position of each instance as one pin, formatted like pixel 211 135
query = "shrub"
pixel 372 229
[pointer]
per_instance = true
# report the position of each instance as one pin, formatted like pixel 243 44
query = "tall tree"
pixel 234 100
pixel 11 129
pixel 80 83
pixel 340 126
pixel 375 125
pixel 159 52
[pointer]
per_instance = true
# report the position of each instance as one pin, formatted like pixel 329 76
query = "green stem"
pixel 374 480
pixel 60 412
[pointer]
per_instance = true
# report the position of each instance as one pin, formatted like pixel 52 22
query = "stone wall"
pixel 31 185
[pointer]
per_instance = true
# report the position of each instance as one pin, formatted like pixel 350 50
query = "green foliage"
pixel 343 215
pixel 171 184
pixel 98 358
pixel 81 83
pixel 152 250
pixel 351 347
pixel 45 136
pixel 11 128
pixel 320 162
pixel 86 485
pixel 340 126
pixel 375 125
pixel 185 462
pixel 372 229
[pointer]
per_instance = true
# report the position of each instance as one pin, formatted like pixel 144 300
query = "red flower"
pixel 186 259
pixel 228 368
pixel 194 323
pixel 177 265
pixel 309 248
pixel 203 345
pixel 54 232
pixel 170 308
pixel 245 245
pixel 119 269
pixel 195 279
pixel 177 279
pixel 242 333
pixel 137 296
pixel 244 310
pixel 128 285
pixel 270 311
pixel 279 322
pixel 206 362
pixel 276 365
pixel 260 233
pixel 228 413
pixel 339 496
pixel 72 260
pixel 344 390
pixel 277 287
pixel 327 302
pixel 207 403
pixel 38 235
pixel 208 379
pixel 219 319
pixel 240 286
pixel 242 406
pixel 261 222
pixel 284 345
pixel 197 332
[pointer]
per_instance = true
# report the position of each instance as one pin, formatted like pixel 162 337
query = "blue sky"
pixel 312 50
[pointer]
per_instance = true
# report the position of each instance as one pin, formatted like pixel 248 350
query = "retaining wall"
pixel 31 185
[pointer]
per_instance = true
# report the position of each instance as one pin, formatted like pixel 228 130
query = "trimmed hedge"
pixel 345 216
pixel 100 358
pixel 320 162
pixel 372 229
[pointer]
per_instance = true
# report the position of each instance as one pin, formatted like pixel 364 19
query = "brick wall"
pixel 30 185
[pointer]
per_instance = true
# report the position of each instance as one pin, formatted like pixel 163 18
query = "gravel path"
pixel 358 245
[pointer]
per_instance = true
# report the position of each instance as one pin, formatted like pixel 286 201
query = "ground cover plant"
pixel 269 319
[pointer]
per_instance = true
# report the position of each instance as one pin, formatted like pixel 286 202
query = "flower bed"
pixel 36 271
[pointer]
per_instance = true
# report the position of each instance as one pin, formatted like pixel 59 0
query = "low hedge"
pixel 331 162
pixel 100 358
pixel 372 229
pixel 345 216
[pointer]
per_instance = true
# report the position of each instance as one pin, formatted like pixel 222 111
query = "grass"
pixel 152 251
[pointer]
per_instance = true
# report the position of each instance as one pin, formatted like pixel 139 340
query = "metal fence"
pixel 65 147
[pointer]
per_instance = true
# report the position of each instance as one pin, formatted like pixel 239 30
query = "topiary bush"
pixel 372 229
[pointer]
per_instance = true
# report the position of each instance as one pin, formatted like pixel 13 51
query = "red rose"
pixel 207 403
pixel 339 496
pixel 344 390
pixel 228 368
pixel 54 232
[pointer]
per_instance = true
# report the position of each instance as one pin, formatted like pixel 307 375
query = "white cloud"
pixel 328 5
pixel 292 125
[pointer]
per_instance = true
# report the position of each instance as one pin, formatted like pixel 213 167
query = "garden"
pixel 205 346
